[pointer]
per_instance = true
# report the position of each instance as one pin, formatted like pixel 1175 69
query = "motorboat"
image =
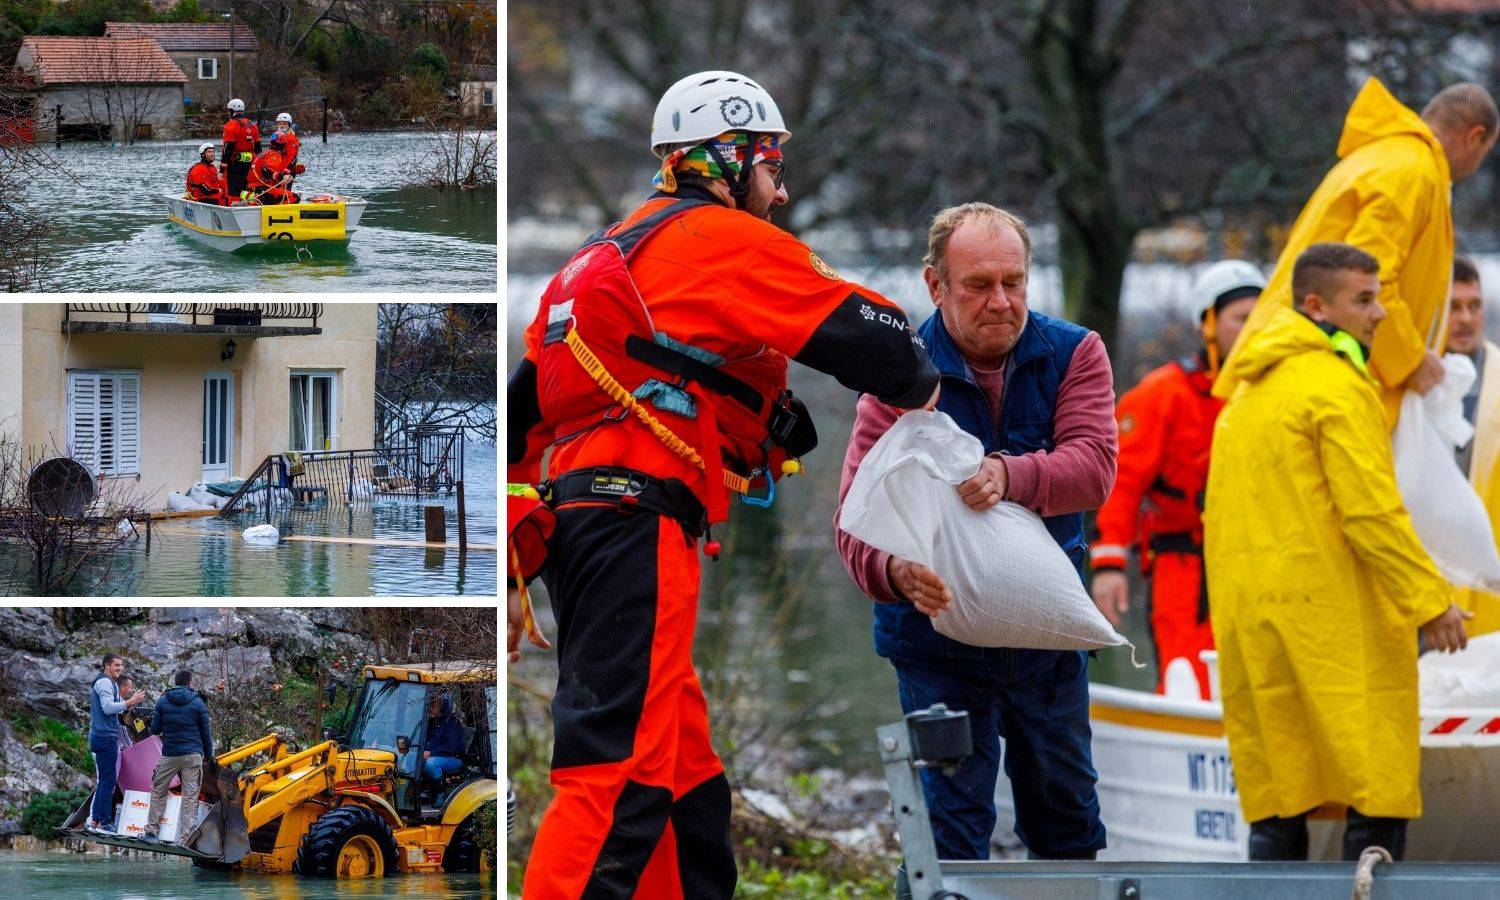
pixel 319 217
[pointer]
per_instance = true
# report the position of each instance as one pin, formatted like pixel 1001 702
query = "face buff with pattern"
pixel 723 157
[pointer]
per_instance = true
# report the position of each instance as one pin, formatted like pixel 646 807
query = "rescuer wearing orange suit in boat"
pixel 1166 425
pixel 204 183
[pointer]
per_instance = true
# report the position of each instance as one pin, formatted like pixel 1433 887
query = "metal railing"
pixel 242 313
pixel 431 464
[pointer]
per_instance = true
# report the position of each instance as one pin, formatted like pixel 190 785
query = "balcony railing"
pixel 210 313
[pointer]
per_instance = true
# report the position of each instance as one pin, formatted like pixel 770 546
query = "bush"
pixel 428 58
pixel 377 107
pixel 487 831
pixel 46 812
pixel 71 744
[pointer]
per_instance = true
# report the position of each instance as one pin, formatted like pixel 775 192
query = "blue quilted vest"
pixel 1034 371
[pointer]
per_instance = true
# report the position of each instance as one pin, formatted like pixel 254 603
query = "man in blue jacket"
pixel 445 740
pixel 106 735
pixel 181 718
pixel 1038 394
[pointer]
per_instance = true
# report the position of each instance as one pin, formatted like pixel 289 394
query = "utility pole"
pixel 231 49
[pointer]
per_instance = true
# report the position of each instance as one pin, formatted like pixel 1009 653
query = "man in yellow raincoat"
pixel 1480 458
pixel 1317 582
pixel 1388 195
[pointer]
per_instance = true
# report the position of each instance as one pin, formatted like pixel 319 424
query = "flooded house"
pixel 213 58
pixel 103 88
pixel 170 394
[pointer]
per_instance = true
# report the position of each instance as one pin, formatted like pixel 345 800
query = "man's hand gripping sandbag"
pixel 1012 585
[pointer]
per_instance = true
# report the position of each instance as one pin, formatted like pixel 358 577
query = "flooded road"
pixel 112 232
pixel 72 876
pixel 208 557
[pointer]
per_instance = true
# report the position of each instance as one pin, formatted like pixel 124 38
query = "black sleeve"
pixel 871 348
pixel 523 410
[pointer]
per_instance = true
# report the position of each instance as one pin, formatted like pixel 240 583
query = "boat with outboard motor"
pixel 319 217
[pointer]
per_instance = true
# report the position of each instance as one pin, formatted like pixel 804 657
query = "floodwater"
pixel 208 557
pixel 73 876
pixel 113 234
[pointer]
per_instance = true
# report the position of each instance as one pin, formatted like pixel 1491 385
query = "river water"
pixel 113 234
pixel 208 557
pixel 73 876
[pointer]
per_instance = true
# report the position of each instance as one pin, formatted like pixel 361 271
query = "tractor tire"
pixel 348 842
pixel 462 854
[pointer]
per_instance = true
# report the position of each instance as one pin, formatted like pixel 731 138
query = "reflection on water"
pixel 71 876
pixel 207 556
pixel 113 233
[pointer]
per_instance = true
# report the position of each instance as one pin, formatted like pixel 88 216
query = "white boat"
pixel 1167 789
pixel 319 217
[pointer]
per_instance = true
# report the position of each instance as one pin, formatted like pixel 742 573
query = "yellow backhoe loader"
pixel 358 804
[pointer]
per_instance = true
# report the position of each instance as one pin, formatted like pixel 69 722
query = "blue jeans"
pixel 1039 703
pixel 106 751
pixel 437 766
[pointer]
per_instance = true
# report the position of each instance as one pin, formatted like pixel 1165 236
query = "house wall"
pixel 213 93
pixel 11 368
pixel 172 368
pixel 159 105
pixel 473 93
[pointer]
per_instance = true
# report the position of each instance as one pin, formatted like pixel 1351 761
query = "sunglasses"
pixel 778 171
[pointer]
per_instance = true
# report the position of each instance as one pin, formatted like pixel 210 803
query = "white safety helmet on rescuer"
pixel 1225 277
pixel 284 117
pixel 236 105
pixel 708 104
pixel 204 146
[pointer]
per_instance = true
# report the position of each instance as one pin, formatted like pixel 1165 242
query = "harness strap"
pixel 684 366
pixel 618 393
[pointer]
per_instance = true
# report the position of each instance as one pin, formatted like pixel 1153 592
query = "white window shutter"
pixel 128 425
pixel 83 418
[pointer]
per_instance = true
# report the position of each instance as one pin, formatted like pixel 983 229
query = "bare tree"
pixel 23 226
pixel 62 552
pixel 436 363
pixel 117 101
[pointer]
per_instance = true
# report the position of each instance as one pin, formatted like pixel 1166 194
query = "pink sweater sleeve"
pixel 866 565
pixel 1078 472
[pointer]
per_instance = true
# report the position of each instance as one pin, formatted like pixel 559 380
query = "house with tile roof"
pixel 203 51
pixel 103 88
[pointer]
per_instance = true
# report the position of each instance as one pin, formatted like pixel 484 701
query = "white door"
pixel 218 425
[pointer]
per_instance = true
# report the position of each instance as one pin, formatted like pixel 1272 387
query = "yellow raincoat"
pixel 1484 474
pixel 1317 583
pixel 1389 196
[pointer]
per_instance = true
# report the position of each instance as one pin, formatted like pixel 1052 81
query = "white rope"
pixel 1364 873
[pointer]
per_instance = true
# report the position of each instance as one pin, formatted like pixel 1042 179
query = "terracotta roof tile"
pixel 86 60
pixel 178 36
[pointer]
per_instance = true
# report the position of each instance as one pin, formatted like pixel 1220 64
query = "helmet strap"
pixel 739 187
pixel 1211 340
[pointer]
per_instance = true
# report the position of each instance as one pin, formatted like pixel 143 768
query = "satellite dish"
pixel 60 486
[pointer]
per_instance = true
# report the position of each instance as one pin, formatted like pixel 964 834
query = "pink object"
pixel 1076 475
pixel 138 763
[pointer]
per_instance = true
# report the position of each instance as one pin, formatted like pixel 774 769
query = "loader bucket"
pixel 224 834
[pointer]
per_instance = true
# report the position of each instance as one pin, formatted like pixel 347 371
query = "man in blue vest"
pixel 106 736
pixel 1039 395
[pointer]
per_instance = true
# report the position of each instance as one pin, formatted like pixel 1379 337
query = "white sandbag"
pixel 262 534
pixel 1468 678
pixel 1012 585
pixel 1448 515
pixel 199 493
pixel 178 503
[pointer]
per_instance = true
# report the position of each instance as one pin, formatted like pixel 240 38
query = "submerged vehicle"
pixel 1167 790
pixel 319 217
pixel 355 805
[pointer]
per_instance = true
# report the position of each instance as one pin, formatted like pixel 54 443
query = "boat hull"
pixel 232 228
pixel 1167 790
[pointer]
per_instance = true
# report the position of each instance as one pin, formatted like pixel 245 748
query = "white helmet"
pixel 1225 277
pixel 204 146
pixel 236 105
pixel 284 117
pixel 708 104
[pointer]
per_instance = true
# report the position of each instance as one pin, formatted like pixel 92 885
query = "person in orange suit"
pixel 204 183
pixel 1166 427
pixel 270 180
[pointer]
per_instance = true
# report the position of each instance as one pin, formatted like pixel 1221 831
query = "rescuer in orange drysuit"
pixel 655 371
pixel 1166 427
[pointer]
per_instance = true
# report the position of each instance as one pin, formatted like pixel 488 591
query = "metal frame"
pixel 267 311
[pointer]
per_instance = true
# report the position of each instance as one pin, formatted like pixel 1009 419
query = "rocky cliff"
pixel 49 657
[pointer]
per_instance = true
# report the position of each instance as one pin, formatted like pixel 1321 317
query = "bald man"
pixel 1389 196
